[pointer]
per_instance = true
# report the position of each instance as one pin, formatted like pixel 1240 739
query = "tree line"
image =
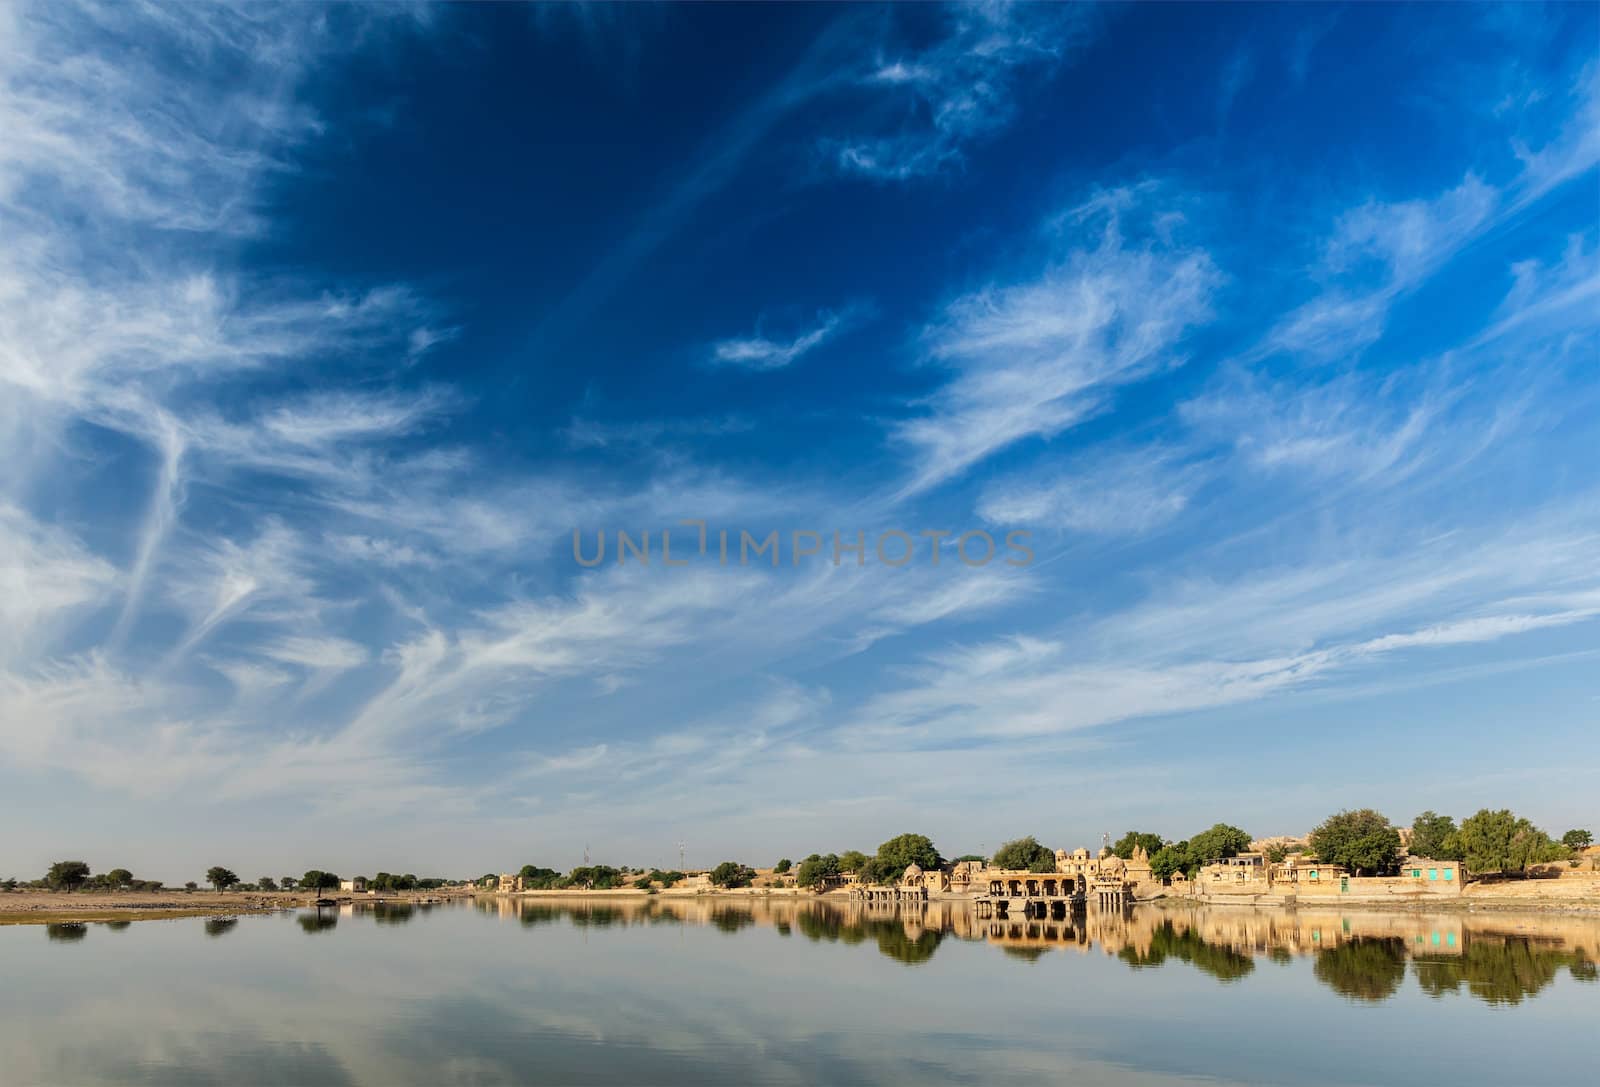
pixel 73 875
pixel 1490 842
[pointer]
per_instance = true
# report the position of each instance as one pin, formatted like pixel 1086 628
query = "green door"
pixel 1344 885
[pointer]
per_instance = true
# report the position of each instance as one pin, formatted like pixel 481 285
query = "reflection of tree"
pixel 890 933
pixel 732 920
pixel 895 942
pixel 116 926
pixel 1500 971
pixel 1222 963
pixel 220 926
pixel 532 915
pixel 1364 968
pixel 393 913
pixel 598 917
pixel 1026 954
pixel 66 931
pixel 318 921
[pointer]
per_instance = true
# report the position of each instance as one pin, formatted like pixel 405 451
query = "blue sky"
pixel 323 329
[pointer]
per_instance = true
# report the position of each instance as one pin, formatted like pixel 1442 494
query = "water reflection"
pixel 1361 957
pixel 319 920
pixel 703 990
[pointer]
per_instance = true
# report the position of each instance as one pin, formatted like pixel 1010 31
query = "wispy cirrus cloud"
pixel 918 108
pixel 1036 356
pixel 1111 493
pixel 761 352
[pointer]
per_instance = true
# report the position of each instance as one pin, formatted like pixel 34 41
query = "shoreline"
pixel 51 908
pixel 55 908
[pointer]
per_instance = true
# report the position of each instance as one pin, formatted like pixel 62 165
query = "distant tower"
pixel 586 854
pixel 681 863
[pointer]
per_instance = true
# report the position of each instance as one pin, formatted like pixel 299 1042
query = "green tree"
pixel 288 883
pixel 220 877
pixel 818 869
pixel 1151 843
pixel 901 852
pixel 118 877
pixel 1169 860
pixel 1022 854
pixel 67 875
pixel 596 877
pixel 1277 852
pixel 783 866
pixel 191 886
pixel 317 880
pixel 1577 839
pixel 979 857
pixel 266 883
pixel 850 860
pixel 1434 835
pixel 731 874
pixel 1362 841
pixel 1499 841
pixel 1218 843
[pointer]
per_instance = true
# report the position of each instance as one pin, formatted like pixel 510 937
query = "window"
pixel 1449 874
pixel 1433 873
pixel 1313 873
pixel 1416 873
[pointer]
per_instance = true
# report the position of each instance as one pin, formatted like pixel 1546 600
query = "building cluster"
pixel 1252 873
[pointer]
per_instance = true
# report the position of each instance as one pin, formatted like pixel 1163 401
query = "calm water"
pixel 701 991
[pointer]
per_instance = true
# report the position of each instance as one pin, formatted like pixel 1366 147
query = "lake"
pixel 712 991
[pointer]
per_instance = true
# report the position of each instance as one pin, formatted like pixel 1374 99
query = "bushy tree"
pixel 1169 860
pixel 901 852
pixel 1500 841
pixel 316 879
pixel 1022 854
pixel 818 869
pixel 220 877
pixel 535 878
pixel 850 860
pixel 117 877
pixel 67 875
pixel 1362 841
pixel 782 866
pixel 1577 839
pixel 266 883
pixel 597 877
pixel 1276 853
pixel 731 874
pixel 288 883
pixel 1218 843
pixel 1434 835
pixel 1150 843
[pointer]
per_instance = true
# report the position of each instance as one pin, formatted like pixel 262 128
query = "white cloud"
pixel 761 353
pixel 1127 492
pixel 46 578
pixel 916 109
pixel 1033 358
